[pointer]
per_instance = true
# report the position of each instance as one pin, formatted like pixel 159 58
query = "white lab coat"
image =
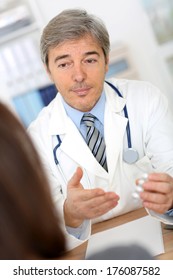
pixel 151 126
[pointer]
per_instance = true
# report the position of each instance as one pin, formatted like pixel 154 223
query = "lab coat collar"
pixel 116 102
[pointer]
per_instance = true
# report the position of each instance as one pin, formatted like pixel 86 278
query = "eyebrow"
pixel 61 57
pixel 92 52
pixel 67 55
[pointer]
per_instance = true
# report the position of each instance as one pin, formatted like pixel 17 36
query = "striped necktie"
pixel 95 140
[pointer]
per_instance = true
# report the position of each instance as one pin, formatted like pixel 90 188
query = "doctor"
pixel 131 121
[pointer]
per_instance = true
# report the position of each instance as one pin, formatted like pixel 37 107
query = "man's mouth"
pixel 81 91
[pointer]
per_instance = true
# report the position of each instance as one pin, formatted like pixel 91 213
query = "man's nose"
pixel 79 73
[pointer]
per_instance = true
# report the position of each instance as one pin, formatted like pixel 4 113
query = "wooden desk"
pixel 79 252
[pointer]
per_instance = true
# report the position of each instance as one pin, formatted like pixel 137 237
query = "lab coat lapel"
pixel 114 133
pixel 74 145
pixel 115 128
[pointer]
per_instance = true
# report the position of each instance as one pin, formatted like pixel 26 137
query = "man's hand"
pixel 84 204
pixel 158 192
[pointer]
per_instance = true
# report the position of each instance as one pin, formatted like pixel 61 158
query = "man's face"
pixel 78 69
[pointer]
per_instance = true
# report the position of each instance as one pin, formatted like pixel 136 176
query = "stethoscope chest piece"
pixel 130 155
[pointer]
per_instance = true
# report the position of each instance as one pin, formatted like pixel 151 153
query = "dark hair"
pixel 29 225
pixel 73 24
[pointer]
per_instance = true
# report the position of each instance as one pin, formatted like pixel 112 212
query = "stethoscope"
pixel 130 155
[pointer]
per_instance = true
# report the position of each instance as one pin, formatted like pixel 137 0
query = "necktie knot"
pixel 88 119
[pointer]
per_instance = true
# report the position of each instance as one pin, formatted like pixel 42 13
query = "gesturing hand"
pixel 82 204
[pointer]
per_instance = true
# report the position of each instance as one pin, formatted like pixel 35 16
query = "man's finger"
pixel 74 182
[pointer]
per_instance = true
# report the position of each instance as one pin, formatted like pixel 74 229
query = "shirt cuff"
pixel 79 231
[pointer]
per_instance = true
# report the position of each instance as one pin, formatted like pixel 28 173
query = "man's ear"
pixel 48 72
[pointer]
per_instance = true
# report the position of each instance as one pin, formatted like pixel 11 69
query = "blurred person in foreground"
pixel 29 225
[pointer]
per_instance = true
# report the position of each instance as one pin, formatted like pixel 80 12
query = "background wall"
pixel 127 23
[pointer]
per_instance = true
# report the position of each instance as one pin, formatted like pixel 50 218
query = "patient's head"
pixel 29 226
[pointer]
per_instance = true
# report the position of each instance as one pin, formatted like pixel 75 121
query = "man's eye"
pixel 62 65
pixel 90 60
pixel 65 65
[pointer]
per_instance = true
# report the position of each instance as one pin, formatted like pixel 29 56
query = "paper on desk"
pixel 145 232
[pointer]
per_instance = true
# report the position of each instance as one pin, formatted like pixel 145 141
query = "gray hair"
pixel 72 24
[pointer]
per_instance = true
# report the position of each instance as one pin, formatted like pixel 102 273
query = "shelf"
pixel 19 33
